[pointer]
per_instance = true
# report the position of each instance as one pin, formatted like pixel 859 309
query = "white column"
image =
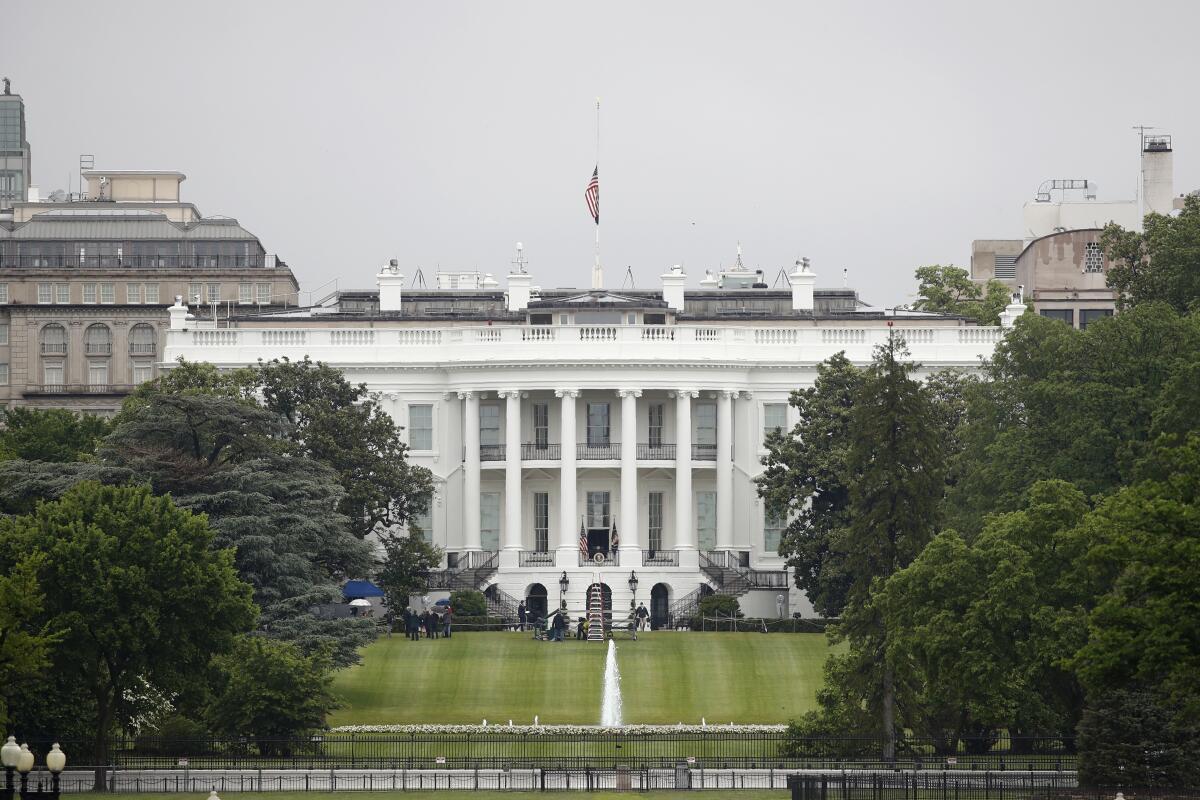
pixel 470 412
pixel 725 469
pixel 685 538
pixel 629 483
pixel 568 526
pixel 512 470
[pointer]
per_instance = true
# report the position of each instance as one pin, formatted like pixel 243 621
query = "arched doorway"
pixel 535 601
pixel 606 599
pixel 660 606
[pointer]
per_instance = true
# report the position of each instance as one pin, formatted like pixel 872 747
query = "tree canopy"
pixel 52 434
pixel 1160 263
pixel 950 290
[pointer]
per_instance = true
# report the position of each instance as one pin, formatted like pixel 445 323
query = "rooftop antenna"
pixel 782 277
pixel 628 277
pixel 1141 129
pixel 419 279
pixel 845 278
pixel 737 265
pixel 519 262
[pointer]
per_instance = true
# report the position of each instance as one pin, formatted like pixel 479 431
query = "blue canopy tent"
pixel 354 590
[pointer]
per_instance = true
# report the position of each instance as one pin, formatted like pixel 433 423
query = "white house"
pixel 581 437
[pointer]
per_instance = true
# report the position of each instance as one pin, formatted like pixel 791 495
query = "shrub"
pixel 720 605
pixel 175 735
pixel 468 603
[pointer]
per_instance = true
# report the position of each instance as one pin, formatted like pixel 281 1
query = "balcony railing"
pixel 491 452
pixel 98 348
pixel 660 558
pixel 142 349
pixel 598 452
pixel 656 452
pixel 541 452
pixel 601 559
pixel 534 558
pixel 59 261
pixel 52 349
pixel 704 452
pixel 78 388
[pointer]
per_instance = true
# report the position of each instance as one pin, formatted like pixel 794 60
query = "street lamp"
pixel 24 764
pixel 563 583
pixel 56 762
pixel 9 754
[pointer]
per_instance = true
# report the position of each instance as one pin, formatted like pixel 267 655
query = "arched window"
pixel 97 340
pixel 54 340
pixel 141 340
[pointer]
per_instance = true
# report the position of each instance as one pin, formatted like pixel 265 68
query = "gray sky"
pixel 876 137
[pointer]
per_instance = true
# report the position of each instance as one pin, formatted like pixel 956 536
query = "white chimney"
pixel 391 284
pixel 1158 179
pixel 672 283
pixel 709 281
pixel 803 280
pixel 178 314
pixel 519 284
pixel 1014 309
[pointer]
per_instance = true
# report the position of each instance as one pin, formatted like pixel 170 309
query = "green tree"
pixel 896 452
pixel 23 484
pixel 1160 264
pixel 806 478
pixel 53 434
pixel 268 691
pixel 404 569
pixel 950 290
pixel 344 427
pixel 138 589
pixel 25 639
pixel 468 603
pixel 231 460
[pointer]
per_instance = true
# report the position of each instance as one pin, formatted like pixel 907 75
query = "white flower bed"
pixel 561 730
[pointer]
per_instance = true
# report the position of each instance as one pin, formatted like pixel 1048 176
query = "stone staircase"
pixel 471 571
pixel 501 604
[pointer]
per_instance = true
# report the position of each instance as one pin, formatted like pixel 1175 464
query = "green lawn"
pixel 748 794
pixel 666 677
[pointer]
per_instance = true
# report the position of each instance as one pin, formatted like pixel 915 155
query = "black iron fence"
pixel 713 749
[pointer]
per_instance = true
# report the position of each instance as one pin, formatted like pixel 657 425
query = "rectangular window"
pixel 97 373
pixel 420 427
pixel 133 293
pixel 1093 257
pixel 1089 315
pixel 772 532
pixel 489 426
pixel 541 425
pixel 656 413
pixel 597 509
pixel 3 292
pixel 706 424
pixel 706 520
pixel 214 293
pixel 1066 315
pixel 45 294
pixel 150 294
pixel 264 294
pixel 1005 268
pixel 142 371
pixel 655 521
pixel 62 293
pixel 107 293
pixel 52 373
pixel 195 294
pixel 597 424
pixel 3 374
pixel 541 522
pixel 89 293
pixel 489 520
pixel 774 418
pixel 422 525
pixel 3 334
pixel 245 293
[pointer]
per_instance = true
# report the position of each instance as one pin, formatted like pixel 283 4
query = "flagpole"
pixel 597 273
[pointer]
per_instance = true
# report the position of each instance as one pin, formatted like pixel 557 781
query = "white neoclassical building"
pixel 582 437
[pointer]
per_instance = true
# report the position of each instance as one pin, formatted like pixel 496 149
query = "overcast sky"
pixel 871 137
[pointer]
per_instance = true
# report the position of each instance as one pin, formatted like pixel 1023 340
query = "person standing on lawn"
pixel 642 616
pixel 447 619
pixel 521 616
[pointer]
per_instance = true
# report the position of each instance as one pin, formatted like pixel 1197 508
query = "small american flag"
pixel 592 194
pixel 583 543
pixel 614 539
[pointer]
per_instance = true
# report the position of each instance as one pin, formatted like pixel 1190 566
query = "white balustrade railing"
pixel 734 343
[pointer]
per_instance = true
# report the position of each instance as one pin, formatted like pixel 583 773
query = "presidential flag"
pixel 592 194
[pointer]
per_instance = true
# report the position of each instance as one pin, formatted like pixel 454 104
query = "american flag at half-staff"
pixel 583 544
pixel 592 194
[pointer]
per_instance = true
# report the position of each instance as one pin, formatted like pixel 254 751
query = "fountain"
pixel 610 705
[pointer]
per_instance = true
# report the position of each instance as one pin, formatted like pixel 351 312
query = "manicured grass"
pixel 666 677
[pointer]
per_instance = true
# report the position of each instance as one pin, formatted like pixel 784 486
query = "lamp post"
pixel 563 583
pixel 56 762
pixel 24 764
pixel 9 754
